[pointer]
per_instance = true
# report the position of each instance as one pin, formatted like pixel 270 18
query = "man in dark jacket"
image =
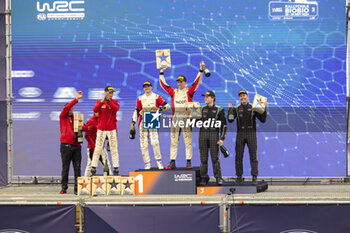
pixel 107 109
pixel 70 148
pixel 246 134
pixel 213 122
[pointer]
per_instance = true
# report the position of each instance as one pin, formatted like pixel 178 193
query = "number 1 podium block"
pixel 164 181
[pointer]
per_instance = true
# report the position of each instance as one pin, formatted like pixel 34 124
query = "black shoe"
pixel 93 171
pixel 254 180
pixel 171 165
pixel 203 182
pixel 219 181
pixel 188 164
pixel 239 180
pixel 116 171
pixel 63 191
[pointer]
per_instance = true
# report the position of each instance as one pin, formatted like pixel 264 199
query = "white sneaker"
pixel 147 166
pixel 160 165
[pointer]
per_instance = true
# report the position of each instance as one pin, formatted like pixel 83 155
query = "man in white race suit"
pixel 180 98
pixel 149 102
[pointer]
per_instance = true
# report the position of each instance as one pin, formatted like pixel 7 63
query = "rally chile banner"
pixel 152 219
pixel 37 219
pixel 291 52
pixel 290 218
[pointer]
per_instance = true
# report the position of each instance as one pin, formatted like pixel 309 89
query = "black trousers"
pixel 248 138
pixel 91 153
pixel 70 153
pixel 208 141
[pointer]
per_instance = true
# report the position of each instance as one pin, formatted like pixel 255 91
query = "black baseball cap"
pixel 109 89
pixel 209 93
pixel 146 83
pixel 242 92
pixel 181 78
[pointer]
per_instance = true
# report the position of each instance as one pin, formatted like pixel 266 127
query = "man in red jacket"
pixel 70 148
pixel 90 129
pixel 106 127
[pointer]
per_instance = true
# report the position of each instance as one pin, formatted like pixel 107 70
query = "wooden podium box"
pixel 113 185
pixel 84 186
pixel 128 187
pixel 98 185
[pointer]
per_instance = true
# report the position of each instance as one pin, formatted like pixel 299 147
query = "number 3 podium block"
pixel 164 182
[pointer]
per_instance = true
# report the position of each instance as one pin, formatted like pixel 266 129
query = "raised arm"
pixel 163 83
pixel 98 105
pixel 232 113
pixel 68 106
pixel 161 102
pixel 261 117
pixel 114 105
pixel 193 88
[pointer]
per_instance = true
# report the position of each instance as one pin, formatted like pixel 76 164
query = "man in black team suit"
pixel 246 134
pixel 209 137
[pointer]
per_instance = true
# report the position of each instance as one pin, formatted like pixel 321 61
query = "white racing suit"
pixel 148 102
pixel 180 99
pixel 104 156
pixel 106 128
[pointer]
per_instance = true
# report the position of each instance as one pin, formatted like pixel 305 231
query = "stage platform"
pixel 30 194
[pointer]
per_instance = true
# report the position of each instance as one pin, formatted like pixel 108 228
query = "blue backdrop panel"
pixel 39 219
pixel 298 63
pixel 152 219
pixel 284 219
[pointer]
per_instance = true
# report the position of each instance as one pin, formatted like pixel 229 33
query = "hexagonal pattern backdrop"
pixel 298 64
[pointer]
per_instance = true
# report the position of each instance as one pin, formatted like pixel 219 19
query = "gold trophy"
pixel 192 105
pixel 258 103
pixel 78 121
pixel 163 58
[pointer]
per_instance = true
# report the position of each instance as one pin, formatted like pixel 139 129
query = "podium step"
pixel 231 187
pixel 155 181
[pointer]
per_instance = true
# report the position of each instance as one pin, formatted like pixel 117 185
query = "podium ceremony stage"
pixel 186 181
